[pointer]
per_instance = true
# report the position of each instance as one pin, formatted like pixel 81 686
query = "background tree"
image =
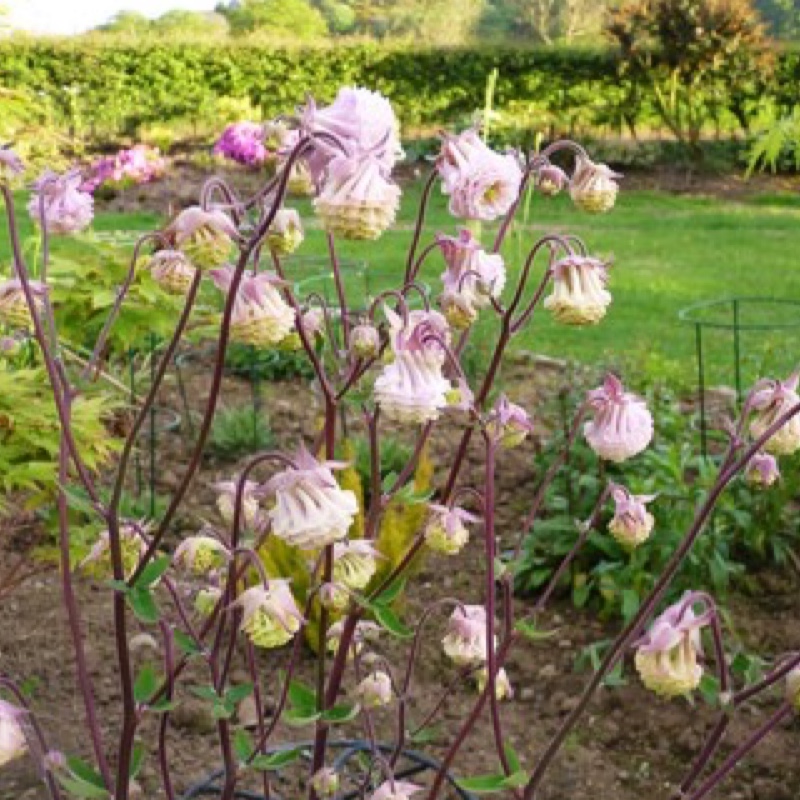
pixel 190 23
pixel 697 58
pixel 279 18
pixel 782 17
pixel 127 22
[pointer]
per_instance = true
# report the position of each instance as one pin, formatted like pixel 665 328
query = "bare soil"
pixel 630 743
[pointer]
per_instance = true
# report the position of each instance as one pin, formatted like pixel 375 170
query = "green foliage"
pixel 267 365
pixel 750 527
pixel 778 145
pixel 238 431
pixel 288 18
pixel 30 433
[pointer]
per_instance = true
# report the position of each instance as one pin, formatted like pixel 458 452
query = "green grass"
pixel 669 252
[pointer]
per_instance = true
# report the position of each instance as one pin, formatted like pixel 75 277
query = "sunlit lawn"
pixel 669 252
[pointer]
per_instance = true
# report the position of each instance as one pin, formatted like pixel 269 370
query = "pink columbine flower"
pixel 311 510
pixel 395 790
pixel 354 563
pixel 364 632
pixel 770 401
pixel 375 691
pixel 550 180
pixel 11 165
pixel 357 200
pixel 446 531
pixel 172 271
pixel 365 341
pixel 472 278
pixel 13 742
pixel 762 470
pixel 622 426
pixel 14 310
pixel 465 640
pixel 270 614
pixel 58 202
pixel 98 562
pixel 285 234
pixel 666 657
pixel 481 183
pixel 206 237
pixel 631 524
pixel 579 291
pixel 251 510
pixel 243 142
pixel 412 388
pixel 201 554
pixel 363 124
pixel 261 317
pixel 594 186
pixel 509 423
pixel 502 685
pixel 325 782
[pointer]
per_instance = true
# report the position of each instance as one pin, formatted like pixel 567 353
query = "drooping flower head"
pixel 311 510
pixel 243 142
pixel 550 180
pixel 770 402
pixel 98 563
pixel 172 271
pixel 57 200
pixel 375 691
pixel 465 640
pixel 579 291
pixel 13 742
pixel 446 531
pixel 201 554
pixel 357 200
pixel 666 657
pixel 594 186
pixel 762 470
pixel 622 426
pixel 502 685
pixel 270 614
pixel 363 124
pixel 11 165
pixel 631 524
pixel 510 424
pixel 226 498
pixel 472 278
pixel 354 563
pixel 205 237
pixel 285 234
pixel 365 341
pixel 412 388
pixel 325 782
pixel 482 184
pixel 14 310
pixel 364 632
pixel 261 317
pixel 395 790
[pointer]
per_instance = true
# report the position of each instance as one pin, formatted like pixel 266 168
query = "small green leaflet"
pixel 276 760
pixel 340 713
pixel 530 631
pixel 487 784
pixel 302 697
pixel 389 620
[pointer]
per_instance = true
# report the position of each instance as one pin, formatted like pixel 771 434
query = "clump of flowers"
pixel 243 142
pixel 130 167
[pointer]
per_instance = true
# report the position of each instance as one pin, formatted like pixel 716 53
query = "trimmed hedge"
pixel 121 86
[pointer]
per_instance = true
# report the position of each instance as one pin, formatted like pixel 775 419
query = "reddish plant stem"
pixel 163 724
pixel 421 213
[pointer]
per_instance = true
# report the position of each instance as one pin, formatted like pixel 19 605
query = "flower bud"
pixel 364 632
pixel 375 691
pixel 201 554
pixel 9 347
pixel 285 234
pixel 551 179
pixel 509 423
pixel 502 685
pixel 762 470
pixel 631 524
pixel 365 341
pixel 325 782
pixel 593 187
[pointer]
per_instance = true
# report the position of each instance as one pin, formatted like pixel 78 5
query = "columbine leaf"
pixel 186 643
pixel 242 745
pixel 516 780
pixel 340 713
pixel 238 693
pixel 276 760
pixel 302 697
pixel 483 784
pixel 153 572
pixel 389 620
pixel 145 685
pixel 83 772
pixel 530 631
pixel 390 593
pixel 137 761
pixel 143 604
pixel 298 718
pixel 512 758
pixel 80 788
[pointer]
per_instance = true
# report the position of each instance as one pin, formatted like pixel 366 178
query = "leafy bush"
pixel 238 431
pixel 266 365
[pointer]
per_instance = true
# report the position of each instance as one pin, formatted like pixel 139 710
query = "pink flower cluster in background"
pixel 139 164
pixel 243 142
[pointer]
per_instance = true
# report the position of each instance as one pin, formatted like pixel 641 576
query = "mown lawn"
pixel 669 252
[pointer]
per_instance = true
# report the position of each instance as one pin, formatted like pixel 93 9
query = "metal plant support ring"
pixel 734 309
pixel 412 763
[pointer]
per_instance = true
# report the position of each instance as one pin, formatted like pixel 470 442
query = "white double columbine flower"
pixel 13 742
pixel 593 186
pixel 465 640
pixel 622 426
pixel 311 510
pixel 631 524
pixel 770 401
pixel 375 691
pixel 412 388
pixel 14 309
pixel 270 614
pixel 58 202
pixel 251 509
pixel 205 237
pixel 472 279
pixel 172 271
pixel 261 317
pixel 579 291
pixel 201 554
pixel 395 790
pixel 446 531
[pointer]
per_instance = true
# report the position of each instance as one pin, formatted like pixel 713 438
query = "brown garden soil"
pixel 630 744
